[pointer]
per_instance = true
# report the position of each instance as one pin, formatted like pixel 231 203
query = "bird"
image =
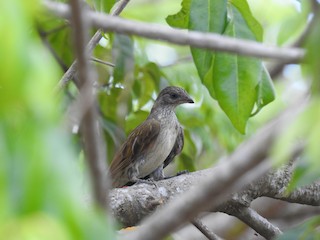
pixel 152 145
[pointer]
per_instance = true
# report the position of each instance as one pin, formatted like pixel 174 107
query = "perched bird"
pixel 153 144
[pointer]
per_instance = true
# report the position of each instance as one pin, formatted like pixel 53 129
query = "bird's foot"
pixel 178 174
pixel 182 172
pixel 146 181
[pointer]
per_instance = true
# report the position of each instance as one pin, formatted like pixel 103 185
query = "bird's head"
pixel 171 97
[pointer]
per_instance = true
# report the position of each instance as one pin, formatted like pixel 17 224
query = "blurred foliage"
pixel 41 196
pixel 41 169
pixel 101 5
pixel 305 231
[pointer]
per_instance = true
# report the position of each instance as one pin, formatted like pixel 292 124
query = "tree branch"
pixel 254 220
pixel 309 195
pixel 132 204
pixel 102 62
pixel 205 230
pixel 181 37
pixel 93 143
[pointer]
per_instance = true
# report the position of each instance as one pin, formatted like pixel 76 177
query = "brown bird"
pixel 153 144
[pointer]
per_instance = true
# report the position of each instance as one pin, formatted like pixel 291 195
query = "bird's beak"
pixel 189 100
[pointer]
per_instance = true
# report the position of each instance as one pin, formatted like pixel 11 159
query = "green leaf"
pixel 265 90
pixel 312 55
pixel 236 82
pixel 123 74
pixel 147 78
pixel 134 119
pixel 253 25
pixel 185 163
pixel 180 19
pixel 235 90
pixel 206 16
pixel 234 78
pixel 122 54
pixel 108 102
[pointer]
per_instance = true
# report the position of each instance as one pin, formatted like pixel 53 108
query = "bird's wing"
pixel 177 148
pixel 141 138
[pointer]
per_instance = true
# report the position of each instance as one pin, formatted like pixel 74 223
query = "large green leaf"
pixel 236 82
pixel 234 78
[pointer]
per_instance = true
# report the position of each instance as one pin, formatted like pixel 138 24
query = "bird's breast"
pixel 161 148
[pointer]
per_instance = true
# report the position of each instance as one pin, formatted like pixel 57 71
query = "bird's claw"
pixel 178 174
pixel 182 172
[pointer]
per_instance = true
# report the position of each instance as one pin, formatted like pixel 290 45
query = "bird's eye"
pixel 174 96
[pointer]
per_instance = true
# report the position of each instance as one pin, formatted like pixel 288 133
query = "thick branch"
pixel 196 39
pixel 309 195
pixel 130 205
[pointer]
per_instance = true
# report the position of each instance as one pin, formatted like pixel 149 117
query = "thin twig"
pixel 45 41
pixel 91 45
pixel 209 41
pixel 119 7
pixel 102 62
pixel 205 230
pixel 93 143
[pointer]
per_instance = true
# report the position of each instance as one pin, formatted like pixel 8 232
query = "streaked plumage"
pixel 153 144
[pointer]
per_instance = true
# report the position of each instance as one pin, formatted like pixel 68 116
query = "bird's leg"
pixel 133 172
pixel 157 174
